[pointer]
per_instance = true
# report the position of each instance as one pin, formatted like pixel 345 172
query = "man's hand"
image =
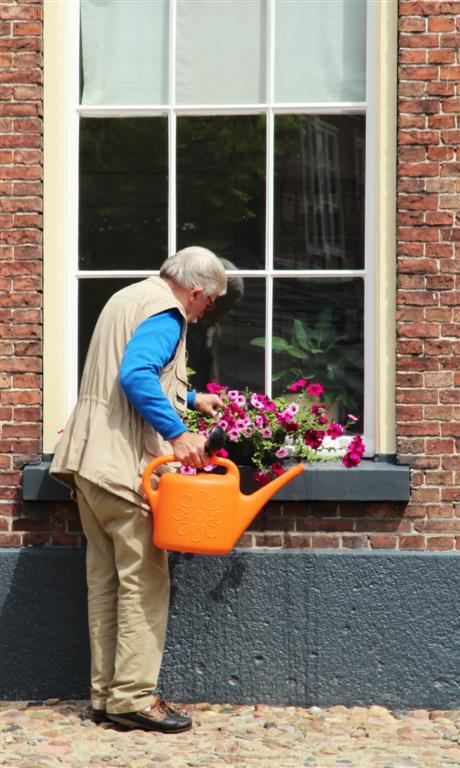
pixel 207 403
pixel 189 449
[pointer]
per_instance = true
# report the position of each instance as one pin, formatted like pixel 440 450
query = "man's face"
pixel 199 303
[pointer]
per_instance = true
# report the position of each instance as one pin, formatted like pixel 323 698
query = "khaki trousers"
pixel 128 599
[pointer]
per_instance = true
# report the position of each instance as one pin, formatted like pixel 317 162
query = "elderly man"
pixel 132 398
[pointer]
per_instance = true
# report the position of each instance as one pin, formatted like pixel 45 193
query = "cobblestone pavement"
pixel 55 733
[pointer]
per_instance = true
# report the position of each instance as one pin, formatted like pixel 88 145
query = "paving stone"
pixel 56 734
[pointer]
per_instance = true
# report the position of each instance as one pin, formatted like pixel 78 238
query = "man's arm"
pixel 151 347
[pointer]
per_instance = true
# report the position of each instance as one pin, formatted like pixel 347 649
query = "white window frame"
pixel 380 27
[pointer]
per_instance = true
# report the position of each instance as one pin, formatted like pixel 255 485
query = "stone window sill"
pixel 378 479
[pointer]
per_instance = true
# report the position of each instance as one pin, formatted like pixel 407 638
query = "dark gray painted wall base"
pixel 299 627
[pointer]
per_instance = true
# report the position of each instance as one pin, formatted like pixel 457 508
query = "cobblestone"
pixel 56 733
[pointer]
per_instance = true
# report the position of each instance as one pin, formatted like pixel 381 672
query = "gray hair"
pixel 196 266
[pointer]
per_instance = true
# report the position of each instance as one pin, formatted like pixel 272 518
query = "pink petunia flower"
pixel 214 388
pixel 282 452
pixel 313 438
pixel 297 385
pixel 315 390
pixel 257 402
pixel 266 432
pixel 233 394
pixel 351 459
pixel 187 471
pixel 335 430
pixel 261 477
pixel 233 434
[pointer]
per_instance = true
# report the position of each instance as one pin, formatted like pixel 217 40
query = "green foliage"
pixel 319 353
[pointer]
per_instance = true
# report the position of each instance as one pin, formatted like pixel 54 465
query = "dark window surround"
pixel 378 479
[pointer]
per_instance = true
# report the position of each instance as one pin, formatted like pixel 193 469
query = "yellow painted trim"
pixel 385 232
pixel 55 220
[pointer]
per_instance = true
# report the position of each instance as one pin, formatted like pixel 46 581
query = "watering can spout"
pixel 250 504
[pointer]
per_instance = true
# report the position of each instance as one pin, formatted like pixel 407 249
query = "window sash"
pixel 270 109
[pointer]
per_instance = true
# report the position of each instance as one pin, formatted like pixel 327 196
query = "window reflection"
pixel 123 213
pixel 93 294
pixel 219 344
pixel 319 192
pixel 221 186
pixel 318 334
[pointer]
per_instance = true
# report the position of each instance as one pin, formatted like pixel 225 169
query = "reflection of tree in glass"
pixel 123 193
pixel 322 355
pixel 221 185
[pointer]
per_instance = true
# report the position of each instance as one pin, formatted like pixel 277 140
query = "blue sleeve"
pixel 151 347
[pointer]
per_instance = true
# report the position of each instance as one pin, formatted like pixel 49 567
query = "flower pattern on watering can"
pixel 198 516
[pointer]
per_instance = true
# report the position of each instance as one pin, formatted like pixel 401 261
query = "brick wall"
pixel 21 251
pixel 428 346
pixel 428 352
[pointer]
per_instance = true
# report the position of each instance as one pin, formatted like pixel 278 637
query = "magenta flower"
pixel 315 390
pixel 214 388
pixel 297 385
pixel 313 438
pixel 261 477
pixel 222 452
pixel 351 459
pixel 335 430
pixel 277 469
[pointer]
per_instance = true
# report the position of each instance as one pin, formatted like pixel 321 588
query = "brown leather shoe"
pixel 158 717
pixel 99 716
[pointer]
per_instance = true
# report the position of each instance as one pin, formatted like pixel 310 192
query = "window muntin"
pixel 272 270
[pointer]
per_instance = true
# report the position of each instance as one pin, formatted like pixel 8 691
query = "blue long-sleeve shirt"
pixel 151 347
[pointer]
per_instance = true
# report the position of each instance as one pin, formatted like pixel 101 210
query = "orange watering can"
pixel 204 513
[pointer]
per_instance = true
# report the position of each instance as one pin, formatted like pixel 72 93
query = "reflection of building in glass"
pixel 319 194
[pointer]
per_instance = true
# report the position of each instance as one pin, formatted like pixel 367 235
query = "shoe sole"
pixel 146 725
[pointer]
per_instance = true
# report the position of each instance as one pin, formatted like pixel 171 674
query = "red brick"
pixel 412 542
pixel 440 543
pixel 383 541
pixel 423 170
pixel 441 24
pixel 413 56
pixel 412 24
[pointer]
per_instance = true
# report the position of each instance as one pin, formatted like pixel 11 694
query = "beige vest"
pixel 106 440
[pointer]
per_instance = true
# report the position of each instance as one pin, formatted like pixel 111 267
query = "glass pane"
pixel 318 334
pixel 221 51
pixel 123 214
pixel 221 186
pixel 93 294
pixel 320 50
pixel 125 51
pixel 319 191
pixel 219 344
